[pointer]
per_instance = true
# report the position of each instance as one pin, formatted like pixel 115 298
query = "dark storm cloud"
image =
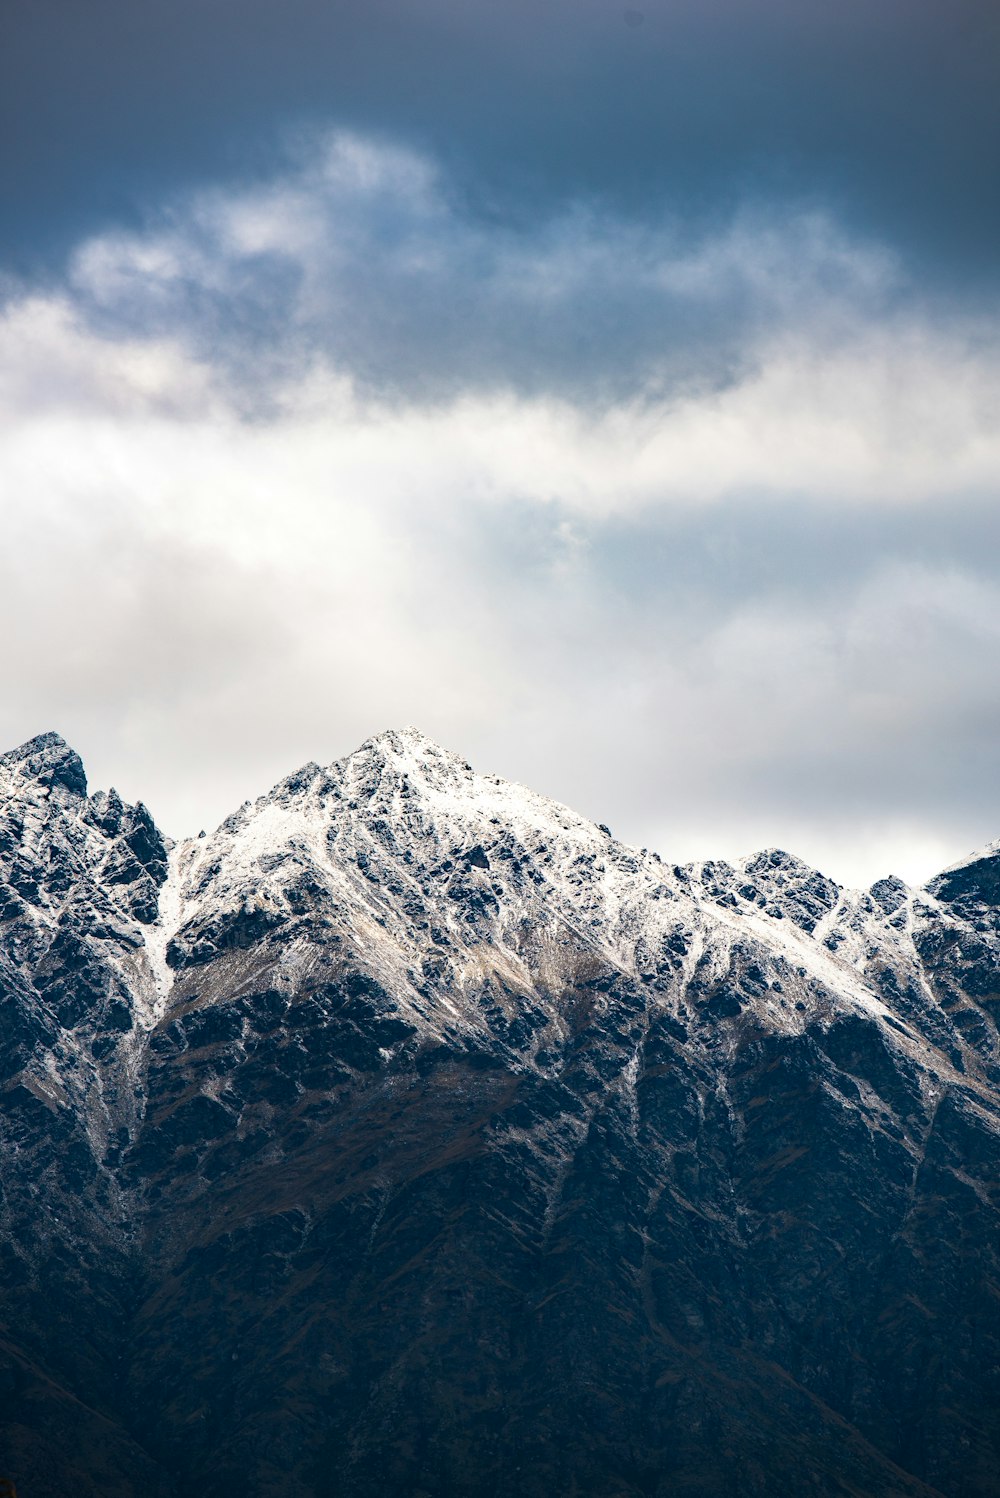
pixel 886 113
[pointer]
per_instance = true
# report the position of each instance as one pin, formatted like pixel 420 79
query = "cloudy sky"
pixel 611 391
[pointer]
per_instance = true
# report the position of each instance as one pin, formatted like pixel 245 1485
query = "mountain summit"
pixel 410 1135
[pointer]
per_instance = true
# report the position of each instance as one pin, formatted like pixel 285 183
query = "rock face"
pixel 410 1136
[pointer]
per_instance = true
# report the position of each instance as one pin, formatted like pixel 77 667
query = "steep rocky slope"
pixel 410 1135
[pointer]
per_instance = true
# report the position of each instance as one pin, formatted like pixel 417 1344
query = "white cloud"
pixel 204 586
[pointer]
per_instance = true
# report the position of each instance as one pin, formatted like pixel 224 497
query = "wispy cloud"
pixel 365 256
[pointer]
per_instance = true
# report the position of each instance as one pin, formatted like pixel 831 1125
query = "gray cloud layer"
pixel 696 532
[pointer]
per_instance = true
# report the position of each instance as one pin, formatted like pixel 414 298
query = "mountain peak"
pixel 37 745
pixel 426 1033
pixel 974 878
pixel 405 742
pixel 402 753
pixel 49 760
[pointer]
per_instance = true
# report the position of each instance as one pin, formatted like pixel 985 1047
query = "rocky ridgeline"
pixel 409 1135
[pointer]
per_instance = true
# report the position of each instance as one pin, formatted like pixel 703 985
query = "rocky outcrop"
pixel 410 1135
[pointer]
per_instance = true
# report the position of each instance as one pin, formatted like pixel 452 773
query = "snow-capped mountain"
pixel 410 1134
